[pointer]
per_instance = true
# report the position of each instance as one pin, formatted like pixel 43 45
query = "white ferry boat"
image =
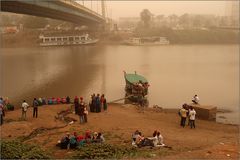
pixel 66 40
pixel 147 41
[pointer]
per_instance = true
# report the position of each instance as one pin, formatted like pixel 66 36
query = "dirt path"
pixel 209 140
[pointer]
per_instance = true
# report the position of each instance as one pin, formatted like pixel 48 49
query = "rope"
pixel 116 100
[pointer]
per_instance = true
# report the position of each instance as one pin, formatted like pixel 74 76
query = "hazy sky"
pixel 126 8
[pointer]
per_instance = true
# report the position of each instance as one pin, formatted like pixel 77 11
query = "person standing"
pixel 192 115
pixel 183 114
pixel 98 104
pixel 68 100
pixel 101 101
pixel 2 113
pixel 81 111
pixel 1 101
pixel 195 99
pixel 104 103
pixel 35 108
pixel 85 114
pixel 24 110
pixel 76 104
pixel 94 107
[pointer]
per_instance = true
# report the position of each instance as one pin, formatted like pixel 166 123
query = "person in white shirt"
pixel 195 99
pixel 157 139
pixel 24 109
pixel 192 115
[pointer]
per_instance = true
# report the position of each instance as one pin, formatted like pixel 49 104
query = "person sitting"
pixel 44 101
pixel 63 100
pixel 100 138
pixel 58 100
pixel 54 100
pixel 157 139
pixel 73 141
pixel 160 139
pixel 68 101
pixel 50 102
pixel 88 137
pixel 64 143
pixel 94 137
pixel 40 101
pixel 134 137
pixel 195 99
pixel 140 140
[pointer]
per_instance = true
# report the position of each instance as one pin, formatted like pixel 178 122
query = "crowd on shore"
pixel 75 140
pixel 96 104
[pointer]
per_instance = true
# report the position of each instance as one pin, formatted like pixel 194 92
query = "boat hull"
pixel 67 43
pixel 134 92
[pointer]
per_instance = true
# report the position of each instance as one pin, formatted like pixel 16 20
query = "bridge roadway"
pixel 57 9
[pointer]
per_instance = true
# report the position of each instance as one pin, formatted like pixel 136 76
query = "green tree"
pixel 146 17
pixel 184 19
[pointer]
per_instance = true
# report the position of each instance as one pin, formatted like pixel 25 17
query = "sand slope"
pixel 209 140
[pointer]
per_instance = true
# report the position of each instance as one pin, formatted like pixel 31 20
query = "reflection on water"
pixel 175 72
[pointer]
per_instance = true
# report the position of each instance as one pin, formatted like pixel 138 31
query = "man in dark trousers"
pixel 35 108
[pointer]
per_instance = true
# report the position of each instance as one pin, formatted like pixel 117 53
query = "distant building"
pixel 232 13
pixel 10 30
pixel 128 22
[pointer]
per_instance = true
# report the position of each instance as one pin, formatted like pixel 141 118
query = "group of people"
pixel 97 103
pixel 72 141
pixel 138 140
pixel 42 101
pixel 53 100
pixel 80 109
pixel 187 112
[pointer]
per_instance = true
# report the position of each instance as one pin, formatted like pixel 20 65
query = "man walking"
pixel 24 109
pixel 192 114
pixel 35 108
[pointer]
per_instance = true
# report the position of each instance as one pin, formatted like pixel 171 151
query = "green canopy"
pixel 134 78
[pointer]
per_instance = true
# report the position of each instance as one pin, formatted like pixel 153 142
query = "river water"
pixel 175 73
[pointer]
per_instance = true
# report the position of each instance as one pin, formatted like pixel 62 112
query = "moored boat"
pixel 66 40
pixel 147 41
pixel 136 87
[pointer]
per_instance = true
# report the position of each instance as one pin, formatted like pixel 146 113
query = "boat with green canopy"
pixel 136 86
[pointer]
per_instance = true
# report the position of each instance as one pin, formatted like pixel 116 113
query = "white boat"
pixel 147 41
pixel 66 40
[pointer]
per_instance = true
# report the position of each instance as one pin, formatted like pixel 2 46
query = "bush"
pixel 10 107
pixel 17 150
pixel 103 151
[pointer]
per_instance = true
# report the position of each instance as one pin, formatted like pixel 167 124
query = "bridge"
pixel 66 10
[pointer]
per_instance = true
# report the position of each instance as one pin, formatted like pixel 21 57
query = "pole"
pixel 103 9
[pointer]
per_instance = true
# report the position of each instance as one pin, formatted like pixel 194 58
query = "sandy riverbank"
pixel 209 140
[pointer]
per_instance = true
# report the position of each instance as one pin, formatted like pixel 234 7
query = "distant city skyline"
pixel 117 9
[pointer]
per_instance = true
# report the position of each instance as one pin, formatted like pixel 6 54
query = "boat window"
pixel 52 39
pixel 59 39
pixel 65 39
pixel 46 39
pixel 70 38
pixel 82 38
pixel 76 38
